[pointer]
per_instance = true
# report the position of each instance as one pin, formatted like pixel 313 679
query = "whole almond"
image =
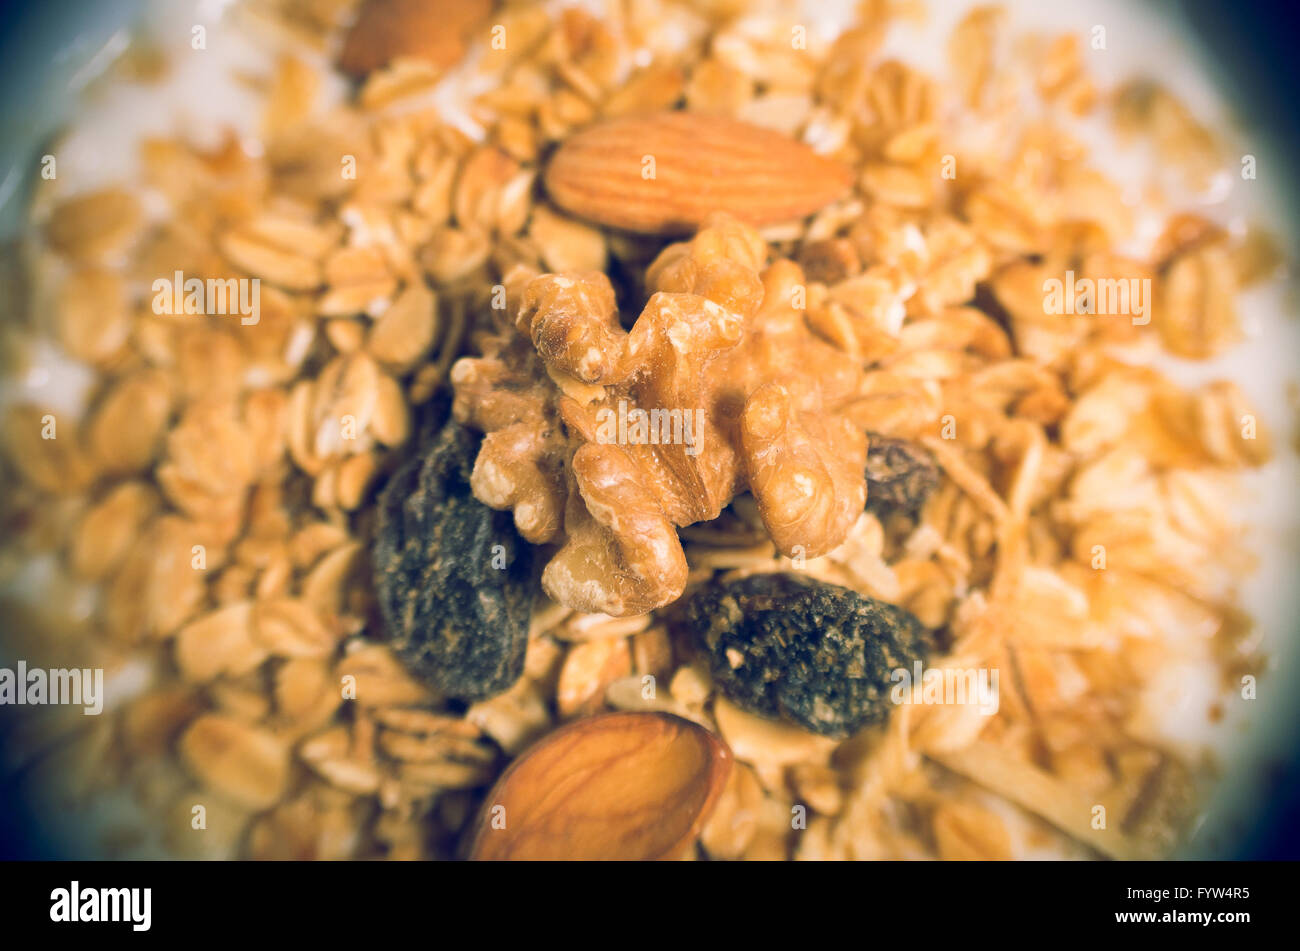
pixel 431 30
pixel 666 173
pixel 630 786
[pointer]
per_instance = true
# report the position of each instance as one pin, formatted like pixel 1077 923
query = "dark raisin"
pixel 455 581
pixel 821 656
pixel 900 475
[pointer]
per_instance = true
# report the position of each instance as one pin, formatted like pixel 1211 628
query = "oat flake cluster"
pixel 208 520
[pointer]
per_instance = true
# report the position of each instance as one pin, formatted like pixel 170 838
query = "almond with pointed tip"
pixel 629 786
pixel 666 173
pixel 431 30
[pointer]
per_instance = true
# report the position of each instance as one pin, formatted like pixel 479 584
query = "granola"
pixel 888 404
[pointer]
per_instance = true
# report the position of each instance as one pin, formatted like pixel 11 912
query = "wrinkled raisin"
pixel 819 655
pixel 456 582
pixel 900 475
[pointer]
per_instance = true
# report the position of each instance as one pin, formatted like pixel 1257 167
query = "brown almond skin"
pixel 617 786
pixel 432 30
pixel 703 164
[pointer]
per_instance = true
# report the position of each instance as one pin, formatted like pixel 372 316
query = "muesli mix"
pixel 632 458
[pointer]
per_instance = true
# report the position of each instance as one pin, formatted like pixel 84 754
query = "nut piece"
pixel 802 470
pixel 718 387
pixel 430 30
pixel 629 786
pixel 666 173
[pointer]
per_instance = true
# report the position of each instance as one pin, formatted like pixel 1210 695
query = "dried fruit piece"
pixel 819 655
pixel 900 475
pixel 666 173
pixel 629 786
pixel 455 580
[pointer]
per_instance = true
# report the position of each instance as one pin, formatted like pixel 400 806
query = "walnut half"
pixel 607 440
